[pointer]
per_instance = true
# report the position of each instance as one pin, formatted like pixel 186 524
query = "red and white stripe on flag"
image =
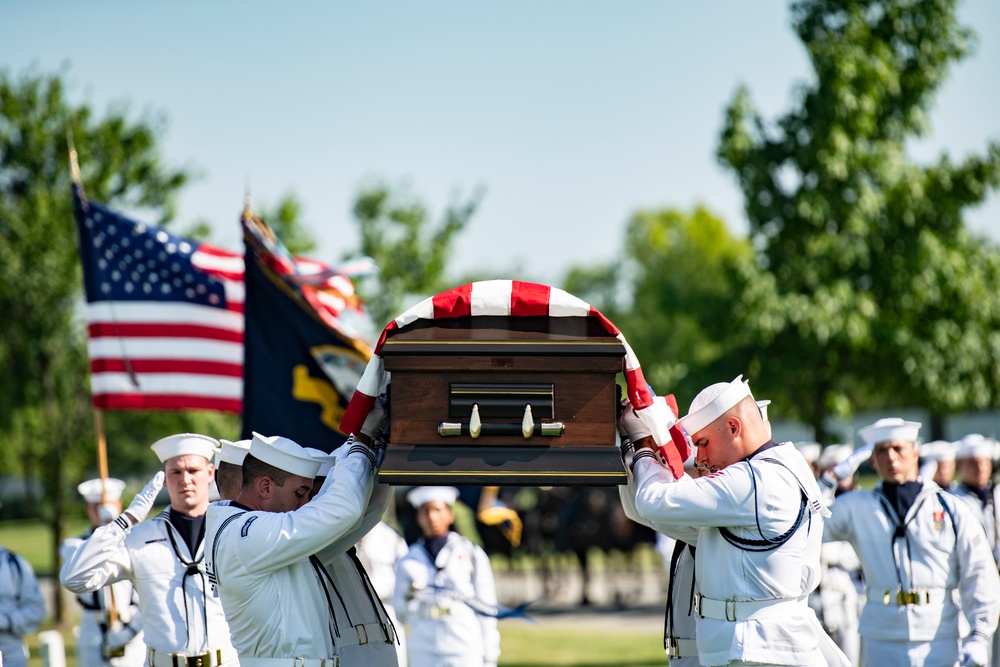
pixel 519 299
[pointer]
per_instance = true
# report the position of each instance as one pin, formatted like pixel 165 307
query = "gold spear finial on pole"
pixel 74 163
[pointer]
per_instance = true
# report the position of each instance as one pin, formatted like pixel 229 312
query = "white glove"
pixel 106 513
pixel 143 501
pixel 630 426
pixel 374 418
pixel 849 466
pixel 975 652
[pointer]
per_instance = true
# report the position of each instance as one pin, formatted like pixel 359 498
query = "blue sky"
pixel 572 115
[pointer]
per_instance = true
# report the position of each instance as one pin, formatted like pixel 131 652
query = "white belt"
pixel 212 658
pixel 290 662
pixel 899 598
pixel 743 610
pixel 681 648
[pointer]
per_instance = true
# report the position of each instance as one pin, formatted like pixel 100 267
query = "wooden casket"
pixel 528 401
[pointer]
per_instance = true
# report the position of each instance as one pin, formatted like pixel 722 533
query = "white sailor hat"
pixel 419 495
pixel 232 452
pixel 890 428
pixel 810 450
pixel 834 454
pixel 762 406
pixel 91 489
pixel 326 460
pixel 975 446
pixel 284 454
pixel 938 450
pixel 713 402
pixel 184 444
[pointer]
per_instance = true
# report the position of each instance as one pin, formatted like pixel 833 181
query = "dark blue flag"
pixel 305 343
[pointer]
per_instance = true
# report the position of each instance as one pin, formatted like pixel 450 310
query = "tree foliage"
pixel 875 293
pixel 411 253
pixel 673 296
pixel 46 421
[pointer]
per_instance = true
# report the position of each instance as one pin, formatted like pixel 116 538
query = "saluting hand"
pixel 143 501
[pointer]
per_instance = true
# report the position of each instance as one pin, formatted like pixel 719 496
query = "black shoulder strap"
pixel 950 512
pixel 768 543
pixel 213 577
pixel 16 573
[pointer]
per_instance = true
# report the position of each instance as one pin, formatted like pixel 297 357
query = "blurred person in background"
pixel 937 463
pixel 974 457
pixel 444 585
pixel 110 631
pixel 22 608
pixel 840 598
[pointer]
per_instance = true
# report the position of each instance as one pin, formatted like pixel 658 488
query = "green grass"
pixel 524 645
pixel 32 539
pixel 535 646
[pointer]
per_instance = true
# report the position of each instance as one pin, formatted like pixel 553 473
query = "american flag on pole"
pixel 521 299
pixel 164 315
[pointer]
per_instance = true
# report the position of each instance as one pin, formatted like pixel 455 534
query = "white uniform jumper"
pixel 180 615
pixel 94 619
pixel 987 508
pixel 379 552
pixel 914 569
pixel 291 587
pixel 22 608
pixel 442 630
pixel 758 527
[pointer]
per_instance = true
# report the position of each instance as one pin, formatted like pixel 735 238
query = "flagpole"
pixel 102 448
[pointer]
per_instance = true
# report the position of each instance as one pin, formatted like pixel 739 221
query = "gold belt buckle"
pixel 907 597
pixel 362 634
pixel 733 607
pixel 673 648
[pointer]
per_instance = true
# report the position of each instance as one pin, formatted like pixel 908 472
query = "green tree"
pixel 46 426
pixel 673 296
pixel 285 220
pixel 874 289
pixel 411 253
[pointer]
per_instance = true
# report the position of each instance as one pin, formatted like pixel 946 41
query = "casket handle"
pixel 527 428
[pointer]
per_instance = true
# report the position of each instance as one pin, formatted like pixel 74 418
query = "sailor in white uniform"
pixel 937 463
pixel 229 467
pixel 439 584
pixel 163 557
pixel 974 457
pixel 756 521
pixel 919 549
pixel 110 631
pixel 839 599
pixel 379 552
pixel 22 608
pixel 359 601
pixel 277 559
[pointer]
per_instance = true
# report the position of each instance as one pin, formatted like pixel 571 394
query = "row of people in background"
pixel 936 497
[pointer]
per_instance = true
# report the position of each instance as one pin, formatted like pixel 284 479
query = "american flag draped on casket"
pixel 521 299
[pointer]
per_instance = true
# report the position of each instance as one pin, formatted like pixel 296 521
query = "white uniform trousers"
pixel 883 653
